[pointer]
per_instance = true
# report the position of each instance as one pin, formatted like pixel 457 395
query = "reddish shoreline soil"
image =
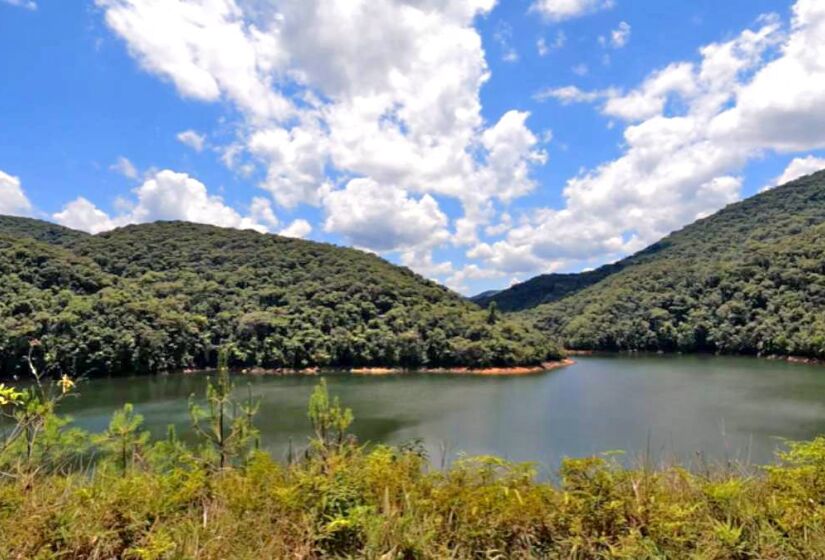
pixel 503 371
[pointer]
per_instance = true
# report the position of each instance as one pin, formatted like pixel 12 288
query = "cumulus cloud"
pixel 783 106
pixel 458 279
pixel 168 195
pixel 559 10
pixel 83 215
pixel 384 218
pixel 192 139
pixel 674 169
pixel 124 167
pixel 13 200
pixel 798 167
pixel 620 36
pixel 177 40
pixel 298 228
pixel 396 103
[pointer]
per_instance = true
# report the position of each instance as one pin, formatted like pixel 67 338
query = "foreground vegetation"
pixel 68 494
pixel 165 296
pixel 748 280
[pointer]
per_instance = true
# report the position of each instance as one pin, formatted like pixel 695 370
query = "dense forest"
pixel 749 279
pixel 544 288
pixel 164 296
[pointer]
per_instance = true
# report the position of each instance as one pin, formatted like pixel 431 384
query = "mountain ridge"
pixel 546 288
pixel 749 279
pixel 164 296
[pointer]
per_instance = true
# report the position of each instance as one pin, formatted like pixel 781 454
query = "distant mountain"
pixel 165 296
pixel 483 295
pixel 543 289
pixel 748 279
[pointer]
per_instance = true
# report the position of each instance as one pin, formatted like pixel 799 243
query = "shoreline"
pixel 791 359
pixel 490 371
pixel 503 371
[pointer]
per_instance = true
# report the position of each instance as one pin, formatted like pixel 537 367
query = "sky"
pixel 477 142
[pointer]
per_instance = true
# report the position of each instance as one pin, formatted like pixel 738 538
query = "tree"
pixel 329 419
pixel 226 425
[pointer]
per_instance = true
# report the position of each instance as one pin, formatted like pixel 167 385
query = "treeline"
pixel 770 300
pixel 65 493
pixel 749 279
pixel 164 296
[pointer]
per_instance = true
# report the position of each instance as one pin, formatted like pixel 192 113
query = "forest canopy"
pixel 164 296
pixel 749 279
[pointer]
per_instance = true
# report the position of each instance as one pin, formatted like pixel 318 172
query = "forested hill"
pixel 749 279
pixel 768 216
pixel 165 296
pixel 543 289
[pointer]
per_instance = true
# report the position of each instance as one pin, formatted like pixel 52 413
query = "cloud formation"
pixel 168 195
pixel 559 10
pixel 395 106
pixel 763 90
pixel 192 139
pixel 798 167
pixel 380 129
pixel 13 200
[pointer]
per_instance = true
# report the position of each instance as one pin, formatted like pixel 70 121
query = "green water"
pixel 687 408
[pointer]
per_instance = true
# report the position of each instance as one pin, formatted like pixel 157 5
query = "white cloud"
pixel 504 36
pixel 567 95
pixel 384 218
pixel 673 169
pixel 125 167
pixel 421 261
pixel 783 106
pixel 295 161
pixel 179 40
pixel 457 280
pixel 13 200
pixel 261 211
pixel 397 105
pixel 559 10
pixel 397 102
pixel 544 48
pixel 26 4
pixel 83 215
pixel 649 99
pixel 620 36
pixel 167 195
pixel 798 167
pixel 192 139
pixel 298 228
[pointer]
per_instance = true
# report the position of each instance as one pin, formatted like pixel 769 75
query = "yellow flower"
pixel 65 383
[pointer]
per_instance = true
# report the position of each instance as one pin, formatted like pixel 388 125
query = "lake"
pixel 686 408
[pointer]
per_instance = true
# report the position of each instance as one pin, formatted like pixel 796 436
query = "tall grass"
pixel 145 499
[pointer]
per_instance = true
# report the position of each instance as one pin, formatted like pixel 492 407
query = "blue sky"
pixel 477 142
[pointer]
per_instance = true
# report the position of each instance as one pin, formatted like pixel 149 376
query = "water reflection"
pixel 667 408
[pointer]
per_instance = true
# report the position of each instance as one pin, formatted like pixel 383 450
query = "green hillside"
pixel 164 296
pixel 544 288
pixel 749 279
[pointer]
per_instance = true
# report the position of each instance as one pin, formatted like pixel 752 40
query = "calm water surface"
pixel 668 408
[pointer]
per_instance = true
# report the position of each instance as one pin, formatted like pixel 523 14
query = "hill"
pixel 165 296
pixel 748 279
pixel 543 289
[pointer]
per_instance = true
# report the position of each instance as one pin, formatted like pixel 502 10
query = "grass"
pixel 68 494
